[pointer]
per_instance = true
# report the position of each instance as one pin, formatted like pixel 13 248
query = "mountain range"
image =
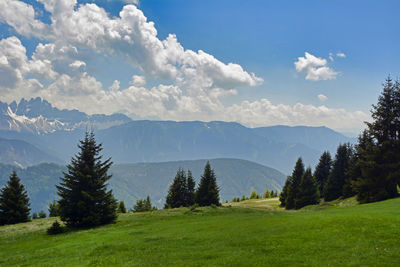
pixel 55 134
pixel 134 181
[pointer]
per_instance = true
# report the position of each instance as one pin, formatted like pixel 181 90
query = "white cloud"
pixel 138 80
pixel 315 68
pixel 322 97
pixel 340 54
pixel 193 84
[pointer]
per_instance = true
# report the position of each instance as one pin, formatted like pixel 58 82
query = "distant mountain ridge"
pixel 137 180
pixel 57 132
pixel 40 117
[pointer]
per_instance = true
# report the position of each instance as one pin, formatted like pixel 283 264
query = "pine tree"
pixel 42 214
pixel 139 206
pixel 336 179
pixel 308 193
pixel 380 158
pixel 267 194
pixel 84 198
pixel 177 193
pixel 293 189
pixel 190 189
pixel 284 193
pixel 14 202
pixel 147 204
pixel 254 195
pixel 121 207
pixel 208 192
pixel 322 170
pixel 53 209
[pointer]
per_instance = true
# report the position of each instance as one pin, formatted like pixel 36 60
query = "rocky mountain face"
pixel 39 117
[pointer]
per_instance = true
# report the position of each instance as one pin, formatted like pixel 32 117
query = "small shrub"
pixel 55 228
pixel 213 206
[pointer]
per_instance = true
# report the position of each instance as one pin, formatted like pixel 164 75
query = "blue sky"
pixel 352 46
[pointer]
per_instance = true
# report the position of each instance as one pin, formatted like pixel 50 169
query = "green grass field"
pixel 249 233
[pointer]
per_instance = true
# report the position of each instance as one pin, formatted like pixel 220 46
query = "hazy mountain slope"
pixel 318 138
pixel 133 181
pixel 23 154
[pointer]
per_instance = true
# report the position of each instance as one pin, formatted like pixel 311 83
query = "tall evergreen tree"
pixel 322 170
pixel 14 202
pixel 208 192
pixel 53 209
pixel 284 193
pixel 294 185
pixel 336 179
pixel 84 198
pixel 191 184
pixel 177 193
pixel 308 193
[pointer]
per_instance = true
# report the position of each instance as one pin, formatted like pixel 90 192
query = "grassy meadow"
pixel 248 233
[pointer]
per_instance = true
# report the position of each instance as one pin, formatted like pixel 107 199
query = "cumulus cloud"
pixel 192 84
pixel 340 54
pixel 315 68
pixel 322 97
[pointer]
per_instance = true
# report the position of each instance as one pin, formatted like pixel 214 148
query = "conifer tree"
pixel 293 189
pixel 147 204
pixel 308 193
pixel 380 158
pixel 121 207
pixel 177 193
pixel 267 194
pixel 208 192
pixel 284 193
pixel 84 198
pixel 190 189
pixel 322 170
pixel 53 209
pixel 139 206
pixel 14 202
pixel 42 214
pixel 336 179
pixel 254 195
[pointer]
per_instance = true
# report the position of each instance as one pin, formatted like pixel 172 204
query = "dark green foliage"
pixel 208 192
pixel 121 207
pixel 191 184
pixel 274 194
pixel 178 191
pixel 322 170
pixel 243 198
pixel 293 187
pixel 236 199
pixel 84 198
pixel 337 177
pixel 42 214
pixel 55 228
pixel 53 209
pixel 35 216
pixel 143 205
pixel 308 193
pixel 378 149
pixel 284 194
pixel 14 202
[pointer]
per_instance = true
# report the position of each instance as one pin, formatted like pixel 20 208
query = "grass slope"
pixel 336 235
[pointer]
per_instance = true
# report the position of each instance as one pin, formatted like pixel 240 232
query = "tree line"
pixel 369 170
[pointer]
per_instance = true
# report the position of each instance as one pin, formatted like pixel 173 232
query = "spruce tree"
pixel 147 204
pixel 322 170
pixel 53 209
pixel 208 192
pixel 284 193
pixel 380 158
pixel 84 198
pixel 177 193
pixel 14 202
pixel 293 189
pixel 267 194
pixel 336 179
pixel 308 193
pixel 121 207
pixel 190 189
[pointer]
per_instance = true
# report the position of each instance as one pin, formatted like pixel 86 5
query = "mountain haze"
pixel 137 180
